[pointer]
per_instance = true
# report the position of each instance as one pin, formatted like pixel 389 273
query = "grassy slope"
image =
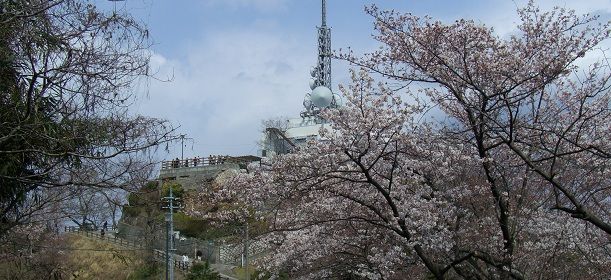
pixel 113 263
pixel 76 257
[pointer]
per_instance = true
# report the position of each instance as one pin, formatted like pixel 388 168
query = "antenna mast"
pixel 324 13
pixel 321 73
pixel 324 51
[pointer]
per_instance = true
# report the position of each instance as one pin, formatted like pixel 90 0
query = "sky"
pixel 223 66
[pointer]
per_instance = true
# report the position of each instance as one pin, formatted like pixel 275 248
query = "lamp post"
pixel 183 137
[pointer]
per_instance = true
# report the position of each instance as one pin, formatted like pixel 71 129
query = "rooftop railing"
pixel 194 162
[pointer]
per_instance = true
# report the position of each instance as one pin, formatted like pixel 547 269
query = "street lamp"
pixel 182 145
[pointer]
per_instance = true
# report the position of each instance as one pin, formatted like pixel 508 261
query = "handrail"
pixel 77 228
pixel 180 264
pixel 194 162
pixel 157 254
pixel 114 239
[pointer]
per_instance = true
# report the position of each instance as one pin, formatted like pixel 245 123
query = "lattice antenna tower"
pixel 321 74
pixel 324 51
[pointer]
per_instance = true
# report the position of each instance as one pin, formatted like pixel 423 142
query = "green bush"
pixel 133 199
pixel 147 197
pixel 150 186
pixel 129 211
pixel 188 226
pixel 191 227
pixel 202 271
pixel 146 273
pixel 177 190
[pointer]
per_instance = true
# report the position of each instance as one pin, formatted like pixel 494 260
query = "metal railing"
pixel 194 162
pixel 88 228
pixel 158 255
pixel 231 253
pixel 111 238
pixel 180 264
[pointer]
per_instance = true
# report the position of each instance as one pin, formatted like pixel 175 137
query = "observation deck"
pixel 191 172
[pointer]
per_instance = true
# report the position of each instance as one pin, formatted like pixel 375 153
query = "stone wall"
pixel 192 177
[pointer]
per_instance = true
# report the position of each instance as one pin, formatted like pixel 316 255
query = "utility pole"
pixel 169 242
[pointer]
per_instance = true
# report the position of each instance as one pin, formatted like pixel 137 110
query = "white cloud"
pixel 228 83
pixel 503 16
pixel 505 19
pixel 225 83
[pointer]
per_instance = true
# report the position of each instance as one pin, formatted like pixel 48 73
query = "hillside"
pixel 77 257
pixel 94 259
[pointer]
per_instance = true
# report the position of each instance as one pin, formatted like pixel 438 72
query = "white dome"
pixel 321 97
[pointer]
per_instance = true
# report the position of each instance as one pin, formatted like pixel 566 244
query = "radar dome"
pixel 321 97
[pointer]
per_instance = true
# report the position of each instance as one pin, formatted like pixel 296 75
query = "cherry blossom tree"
pixel 524 93
pixel 383 196
pixel 511 184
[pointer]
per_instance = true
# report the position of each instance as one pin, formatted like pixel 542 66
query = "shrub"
pixel 145 273
pixel 202 271
pixel 177 190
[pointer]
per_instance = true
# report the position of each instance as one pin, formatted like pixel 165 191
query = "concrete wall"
pixel 193 177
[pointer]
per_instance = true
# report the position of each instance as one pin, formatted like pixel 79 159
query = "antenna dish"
pixel 312 83
pixel 339 102
pixel 307 103
pixel 321 97
pixel 313 71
